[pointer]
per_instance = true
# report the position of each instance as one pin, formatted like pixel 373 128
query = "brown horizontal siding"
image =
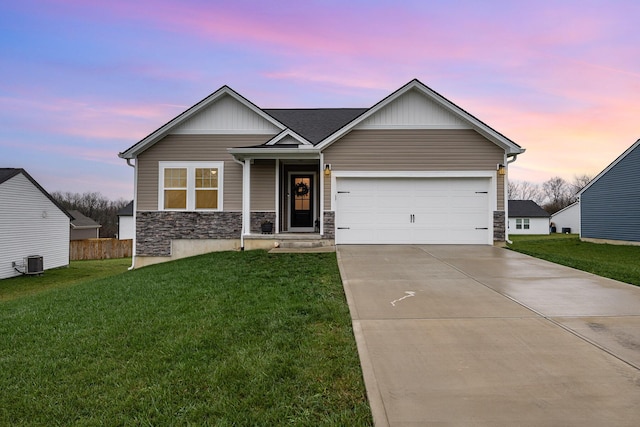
pixel 200 148
pixel 414 150
pixel 263 185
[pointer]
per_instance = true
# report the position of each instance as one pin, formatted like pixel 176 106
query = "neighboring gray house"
pixel 413 169
pixel 32 223
pixel 567 219
pixel 527 217
pixel 83 227
pixel 610 203
pixel 126 227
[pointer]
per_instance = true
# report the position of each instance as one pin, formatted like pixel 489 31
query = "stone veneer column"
pixel 329 225
pixel 498 226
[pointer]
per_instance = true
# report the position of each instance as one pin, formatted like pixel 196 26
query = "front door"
pixel 301 190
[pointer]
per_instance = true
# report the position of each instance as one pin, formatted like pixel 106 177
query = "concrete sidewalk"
pixel 478 335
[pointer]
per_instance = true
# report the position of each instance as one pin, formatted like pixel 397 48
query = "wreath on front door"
pixel 301 189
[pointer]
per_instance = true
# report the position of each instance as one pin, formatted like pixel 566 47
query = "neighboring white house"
pixel 567 219
pixel 126 225
pixel 31 224
pixel 526 217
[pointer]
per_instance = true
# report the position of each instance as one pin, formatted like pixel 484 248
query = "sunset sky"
pixel 82 80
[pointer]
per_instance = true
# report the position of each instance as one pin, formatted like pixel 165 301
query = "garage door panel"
pixel 412 210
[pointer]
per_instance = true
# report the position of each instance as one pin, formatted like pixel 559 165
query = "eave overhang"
pixel 275 152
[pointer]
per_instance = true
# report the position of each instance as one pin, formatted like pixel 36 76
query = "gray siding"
pixel 194 148
pixel 610 207
pixel 414 150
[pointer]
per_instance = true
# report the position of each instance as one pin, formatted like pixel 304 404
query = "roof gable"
pixel 456 115
pixel 526 209
pixel 613 164
pixel 413 110
pixel 8 173
pixel 202 115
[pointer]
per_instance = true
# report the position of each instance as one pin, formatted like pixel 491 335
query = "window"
pixel 190 186
pixel 522 223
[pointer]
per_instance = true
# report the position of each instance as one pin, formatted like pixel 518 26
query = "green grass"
pixel 614 261
pixel 225 339
pixel 76 272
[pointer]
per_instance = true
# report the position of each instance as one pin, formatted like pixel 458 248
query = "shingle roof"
pixel 127 210
pixel 526 209
pixel 317 123
pixel 6 173
pixel 81 221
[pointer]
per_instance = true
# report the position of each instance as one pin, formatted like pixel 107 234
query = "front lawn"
pixel 233 338
pixel 614 261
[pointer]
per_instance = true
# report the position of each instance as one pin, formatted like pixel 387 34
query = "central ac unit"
pixel 34 264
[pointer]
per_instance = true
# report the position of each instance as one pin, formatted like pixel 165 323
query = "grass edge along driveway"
pixel 229 338
pixel 618 262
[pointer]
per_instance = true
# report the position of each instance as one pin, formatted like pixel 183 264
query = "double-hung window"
pixel 190 186
pixel 522 223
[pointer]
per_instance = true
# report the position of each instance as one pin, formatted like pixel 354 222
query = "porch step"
pixel 302 244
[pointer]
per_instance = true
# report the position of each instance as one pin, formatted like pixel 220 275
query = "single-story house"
pixel 527 217
pixel 567 220
pixel 610 203
pixel 83 227
pixel 34 228
pixel 126 227
pixel 413 168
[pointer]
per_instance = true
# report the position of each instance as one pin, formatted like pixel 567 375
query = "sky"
pixel 82 80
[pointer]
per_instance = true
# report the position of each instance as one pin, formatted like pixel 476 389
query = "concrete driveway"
pixel 483 336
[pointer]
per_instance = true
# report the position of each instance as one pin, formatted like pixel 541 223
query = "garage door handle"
pixel 482 192
pixel 344 228
pixel 344 192
pixel 482 228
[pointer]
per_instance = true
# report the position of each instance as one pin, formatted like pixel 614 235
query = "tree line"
pixel 95 206
pixel 553 195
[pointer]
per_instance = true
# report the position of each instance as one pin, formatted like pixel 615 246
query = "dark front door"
pixel 301 200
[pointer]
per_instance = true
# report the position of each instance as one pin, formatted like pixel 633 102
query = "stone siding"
pixel 329 225
pixel 155 230
pixel 257 218
pixel 498 226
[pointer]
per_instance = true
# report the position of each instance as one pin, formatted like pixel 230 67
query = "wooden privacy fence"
pixel 99 249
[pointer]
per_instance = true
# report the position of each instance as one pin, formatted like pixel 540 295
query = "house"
pixel 32 225
pixel 567 220
pixel 413 168
pixel 610 203
pixel 527 217
pixel 126 227
pixel 83 227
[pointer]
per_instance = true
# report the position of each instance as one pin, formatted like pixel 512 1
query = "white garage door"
pixel 413 211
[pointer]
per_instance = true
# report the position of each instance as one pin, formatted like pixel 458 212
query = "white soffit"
pixel 226 115
pixel 413 110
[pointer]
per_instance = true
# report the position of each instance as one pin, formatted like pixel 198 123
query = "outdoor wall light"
pixel 327 169
pixel 502 170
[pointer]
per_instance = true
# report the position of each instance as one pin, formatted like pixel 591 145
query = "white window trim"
pixel 191 183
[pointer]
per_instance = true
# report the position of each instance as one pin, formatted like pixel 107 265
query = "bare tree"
pixel 579 182
pixel 558 194
pixel 525 190
pixel 95 206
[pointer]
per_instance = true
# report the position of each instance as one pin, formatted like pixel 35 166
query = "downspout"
pixel 242 228
pixel 506 198
pixel 135 204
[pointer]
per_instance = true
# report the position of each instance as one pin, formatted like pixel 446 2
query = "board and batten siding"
pixel 30 224
pixel 414 150
pixel 201 148
pixel 610 207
